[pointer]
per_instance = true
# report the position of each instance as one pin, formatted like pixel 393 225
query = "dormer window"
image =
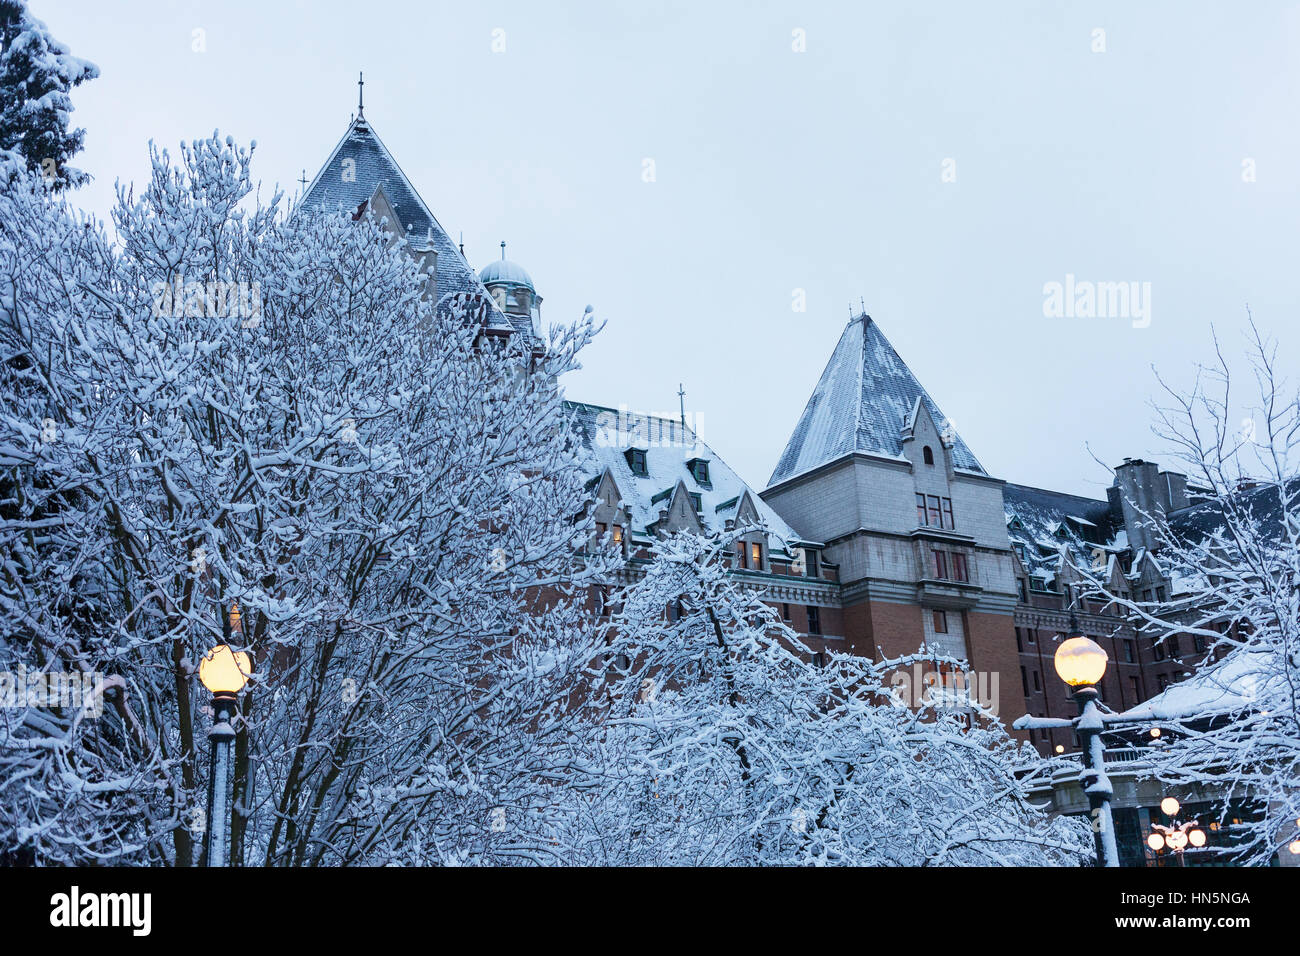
pixel 618 534
pixel 636 460
pixel 756 555
pixel 699 469
pixel 927 455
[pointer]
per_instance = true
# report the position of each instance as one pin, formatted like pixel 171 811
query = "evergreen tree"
pixel 36 74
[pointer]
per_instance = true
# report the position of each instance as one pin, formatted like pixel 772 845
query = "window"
pixel 618 534
pixel 810 563
pixel 600 528
pixel 941 565
pixel 699 470
pixel 636 461
pixel 1198 642
pixel 819 659
pixel 1129 651
pixel 941 623
pixel 1137 688
pixel 785 611
pixel 1162 680
pixel 1023 585
pixel 1037 584
pixel 1159 651
pixel 947 514
pixel 920 509
pixel 935 516
pixel 1146 595
pixel 1032 635
pixel 695 501
pixel 1037 685
pixel 1024 679
pixel 1160 593
pixel 741 561
pixel 814 620
pixel 1173 645
pixel 756 555
pixel 1019 645
pixel 927 455
pixel 959 567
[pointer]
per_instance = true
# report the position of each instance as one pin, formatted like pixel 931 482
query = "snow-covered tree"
pixel 227 406
pixel 1235 562
pixel 37 73
pixel 723 744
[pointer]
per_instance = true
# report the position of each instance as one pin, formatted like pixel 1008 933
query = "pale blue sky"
pixel 776 171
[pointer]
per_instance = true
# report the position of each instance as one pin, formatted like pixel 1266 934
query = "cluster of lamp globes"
pixel 1176 837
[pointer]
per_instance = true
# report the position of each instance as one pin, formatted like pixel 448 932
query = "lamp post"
pixel 1176 835
pixel 1081 663
pixel 224 673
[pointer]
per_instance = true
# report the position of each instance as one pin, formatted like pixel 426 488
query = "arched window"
pixel 928 455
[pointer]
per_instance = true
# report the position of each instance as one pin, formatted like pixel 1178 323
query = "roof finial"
pixel 681 397
pixel 462 243
pixel 503 250
pixel 862 300
pixel 304 180
pixel 361 95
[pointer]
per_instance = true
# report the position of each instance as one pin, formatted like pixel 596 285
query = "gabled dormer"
pixel 679 511
pixel 610 514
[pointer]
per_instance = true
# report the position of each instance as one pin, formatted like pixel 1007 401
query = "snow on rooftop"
pixel 1230 686
pixel 863 400
pixel 607 433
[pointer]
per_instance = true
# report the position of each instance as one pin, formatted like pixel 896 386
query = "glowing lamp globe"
pixel 1081 661
pixel 1177 840
pixel 1156 842
pixel 1170 806
pixel 1060 748
pixel 1295 847
pixel 1197 838
pixel 1155 732
pixel 223 671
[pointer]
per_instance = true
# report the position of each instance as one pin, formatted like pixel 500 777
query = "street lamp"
pixel 1176 836
pixel 224 673
pixel 1081 663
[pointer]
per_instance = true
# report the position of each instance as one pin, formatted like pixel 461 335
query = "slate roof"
pixel 606 434
pixel 861 403
pixel 359 163
pixel 1046 521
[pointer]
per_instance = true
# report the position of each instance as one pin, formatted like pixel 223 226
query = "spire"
pixel 361 96
pixel 503 250
pixel 681 397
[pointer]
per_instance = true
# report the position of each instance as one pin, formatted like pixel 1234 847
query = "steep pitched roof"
pixel 862 402
pixel 605 435
pixel 360 162
pixel 1045 522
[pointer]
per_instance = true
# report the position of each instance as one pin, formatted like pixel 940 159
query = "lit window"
pixel 618 534
pixel 756 555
